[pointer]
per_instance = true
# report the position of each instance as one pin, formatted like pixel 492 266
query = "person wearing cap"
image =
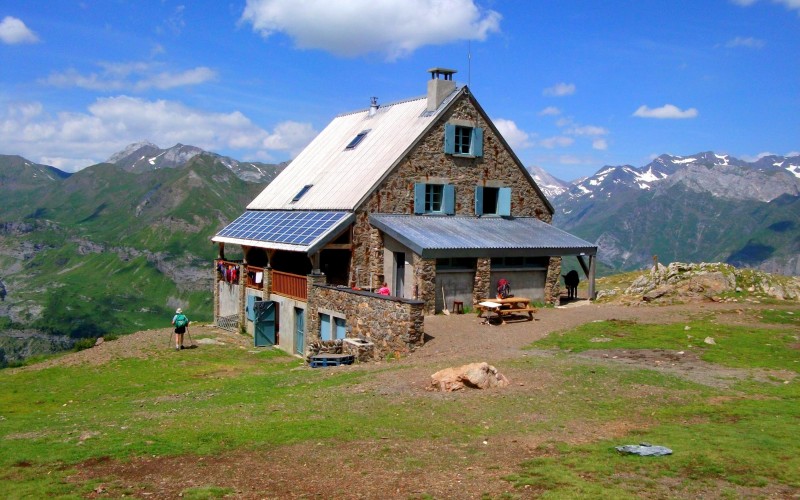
pixel 181 323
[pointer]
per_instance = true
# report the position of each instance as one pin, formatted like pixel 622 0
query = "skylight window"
pixel 300 193
pixel 357 139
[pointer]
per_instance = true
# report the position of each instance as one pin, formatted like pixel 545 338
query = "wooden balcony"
pixel 254 277
pixel 290 285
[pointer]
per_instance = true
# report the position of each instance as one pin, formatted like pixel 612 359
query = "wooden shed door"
pixel 264 323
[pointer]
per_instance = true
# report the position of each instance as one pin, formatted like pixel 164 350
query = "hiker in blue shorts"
pixel 181 323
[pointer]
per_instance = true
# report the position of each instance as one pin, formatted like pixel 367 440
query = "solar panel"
pixel 290 227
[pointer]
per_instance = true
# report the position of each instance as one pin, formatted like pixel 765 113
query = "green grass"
pixel 739 347
pixel 220 399
pixel 781 316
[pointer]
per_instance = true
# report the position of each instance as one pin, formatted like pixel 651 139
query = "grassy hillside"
pixel 108 251
pixel 208 422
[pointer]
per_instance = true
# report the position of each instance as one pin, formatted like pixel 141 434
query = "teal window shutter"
pixel 419 198
pixel 449 202
pixel 478 200
pixel 325 327
pixel 477 141
pixel 341 331
pixel 449 138
pixel 504 202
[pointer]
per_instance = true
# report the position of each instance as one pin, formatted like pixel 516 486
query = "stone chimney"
pixel 440 86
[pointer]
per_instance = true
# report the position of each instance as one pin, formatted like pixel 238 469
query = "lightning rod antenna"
pixel 469 63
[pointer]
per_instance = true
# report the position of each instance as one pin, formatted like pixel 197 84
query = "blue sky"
pixel 572 85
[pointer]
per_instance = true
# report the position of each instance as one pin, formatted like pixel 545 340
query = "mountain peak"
pixel 130 149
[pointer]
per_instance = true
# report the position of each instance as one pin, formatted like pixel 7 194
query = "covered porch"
pixel 468 255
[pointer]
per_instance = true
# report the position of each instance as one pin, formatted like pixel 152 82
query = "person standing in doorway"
pixel 181 323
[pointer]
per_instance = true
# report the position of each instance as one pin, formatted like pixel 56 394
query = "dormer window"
pixel 302 192
pixel 357 139
pixel 463 140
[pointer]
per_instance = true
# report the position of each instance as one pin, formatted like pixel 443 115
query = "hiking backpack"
pixel 181 321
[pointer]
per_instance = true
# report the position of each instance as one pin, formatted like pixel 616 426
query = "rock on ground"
pixel 474 375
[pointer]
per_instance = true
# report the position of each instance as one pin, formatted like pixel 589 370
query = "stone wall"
pixel 552 284
pixel 393 325
pixel 425 283
pixel 483 281
pixel 426 162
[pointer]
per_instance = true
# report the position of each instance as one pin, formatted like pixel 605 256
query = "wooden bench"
pixel 519 310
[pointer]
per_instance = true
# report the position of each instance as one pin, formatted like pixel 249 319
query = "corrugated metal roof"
pixel 339 177
pixel 458 236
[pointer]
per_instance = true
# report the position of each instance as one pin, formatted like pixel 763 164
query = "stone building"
pixel 422 194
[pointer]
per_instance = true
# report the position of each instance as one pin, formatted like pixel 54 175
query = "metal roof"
pixel 293 230
pixel 339 177
pixel 459 236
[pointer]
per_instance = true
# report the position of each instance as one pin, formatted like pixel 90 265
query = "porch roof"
pixel 461 236
pixel 293 230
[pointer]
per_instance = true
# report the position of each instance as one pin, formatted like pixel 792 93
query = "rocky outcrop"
pixel 474 376
pixel 682 282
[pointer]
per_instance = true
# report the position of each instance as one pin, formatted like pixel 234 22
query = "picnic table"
pixel 501 308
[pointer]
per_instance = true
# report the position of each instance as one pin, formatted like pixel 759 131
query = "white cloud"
pixel 747 42
pixel 789 4
pixel 351 28
pixel 666 111
pixel 550 111
pixel 587 130
pixel 515 137
pixel 560 89
pixel 135 75
pixel 14 31
pixel 600 144
pixel 71 141
pixel 558 141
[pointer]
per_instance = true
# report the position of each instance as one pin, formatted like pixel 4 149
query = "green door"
pixel 299 330
pixel 265 312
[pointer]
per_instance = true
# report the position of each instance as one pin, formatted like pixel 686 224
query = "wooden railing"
pixel 290 285
pixel 253 279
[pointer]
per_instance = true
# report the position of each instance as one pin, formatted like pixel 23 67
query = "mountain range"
pixel 703 207
pixel 117 246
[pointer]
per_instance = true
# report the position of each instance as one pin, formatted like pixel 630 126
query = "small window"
pixel 434 198
pixel 493 201
pixel 302 192
pixel 332 327
pixel 434 194
pixel 357 139
pixel 463 140
pixel 528 263
pixel 456 264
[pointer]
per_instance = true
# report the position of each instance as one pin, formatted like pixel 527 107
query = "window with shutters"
pixel 462 140
pixel 434 199
pixel 493 201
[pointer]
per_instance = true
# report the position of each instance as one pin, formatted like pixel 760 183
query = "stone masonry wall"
pixel 425 282
pixel 552 285
pixel 426 162
pixel 394 325
pixel 483 281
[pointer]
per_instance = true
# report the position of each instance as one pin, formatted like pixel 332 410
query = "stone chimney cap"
pixel 447 73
